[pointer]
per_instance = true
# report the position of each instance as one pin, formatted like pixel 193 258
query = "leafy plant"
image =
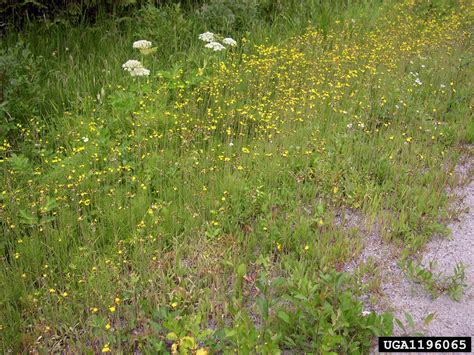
pixel 194 207
pixel 21 97
pixel 437 283
pixel 20 163
pixel 229 15
pixel 409 327
pixel 324 315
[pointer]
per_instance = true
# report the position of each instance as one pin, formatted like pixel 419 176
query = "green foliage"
pixel 437 283
pixel 323 315
pixel 197 208
pixel 71 11
pixel 20 164
pixel 435 7
pixel 469 132
pixel 305 313
pixel 21 95
pixel 228 15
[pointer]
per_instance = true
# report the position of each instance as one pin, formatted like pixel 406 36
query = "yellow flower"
pixel 106 348
pixel 112 309
pixel 245 150
pixel 94 309
pixel 65 294
pixel 201 351
pixel 108 326
pixel 306 247
pixel 117 300
pixel 174 304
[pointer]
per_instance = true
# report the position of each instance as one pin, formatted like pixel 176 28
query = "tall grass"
pixel 199 209
pixel 94 53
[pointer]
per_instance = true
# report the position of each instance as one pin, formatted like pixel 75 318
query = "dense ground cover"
pixel 196 209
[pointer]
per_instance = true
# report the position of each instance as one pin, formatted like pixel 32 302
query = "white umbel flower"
pixel 131 64
pixel 229 41
pixel 207 37
pixel 216 46
pixel 142 44
pixel 140 72
pixel 135 68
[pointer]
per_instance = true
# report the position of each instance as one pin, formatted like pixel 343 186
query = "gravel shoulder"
pixel 451 318
pixel 399 294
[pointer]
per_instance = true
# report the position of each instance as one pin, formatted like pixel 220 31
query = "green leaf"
pixel 400 324
pixel 172 336
pixel 320 209
pixel 157 345
pixel 230 333
pixel 241 270
pixel 263 305
pixel 156 326
pixel 148 51
pixel 27 218
pixel 50 204
pixel 429 318
pixel 187 343
pixel 409 319
pixel 19 163
pixel 284 316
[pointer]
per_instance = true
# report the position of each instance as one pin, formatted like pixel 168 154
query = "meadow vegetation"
pixel 195 209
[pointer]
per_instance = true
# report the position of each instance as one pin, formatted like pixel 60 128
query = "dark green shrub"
pixel 230 15
pixel 21 95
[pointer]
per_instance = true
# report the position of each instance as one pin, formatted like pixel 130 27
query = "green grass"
pixel 196 210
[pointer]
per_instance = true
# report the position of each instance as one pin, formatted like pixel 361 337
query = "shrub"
pixel 229 14
pixel 20 90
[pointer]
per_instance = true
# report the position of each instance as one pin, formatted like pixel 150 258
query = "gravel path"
pixel 452 318
pixel 399 294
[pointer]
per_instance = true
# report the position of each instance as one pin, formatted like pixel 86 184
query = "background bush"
pixel 21 96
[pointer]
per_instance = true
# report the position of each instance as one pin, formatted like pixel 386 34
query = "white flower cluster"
pixel 212 41
pixel 142 44
pixel 216 46
pixel 140 72
pixel 135 68
pixel 229 41
pixel 132 64
pixel 207 37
